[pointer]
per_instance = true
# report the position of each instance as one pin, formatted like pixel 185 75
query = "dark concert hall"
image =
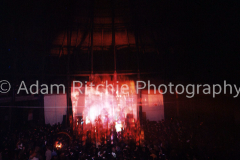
pixel 119 80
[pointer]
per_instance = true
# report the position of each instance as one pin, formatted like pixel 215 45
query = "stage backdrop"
pixel 153 105
pixel 55 106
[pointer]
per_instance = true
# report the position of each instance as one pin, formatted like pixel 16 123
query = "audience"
pixel 169 139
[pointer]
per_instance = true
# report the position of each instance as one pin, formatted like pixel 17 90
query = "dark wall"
pixel 219 111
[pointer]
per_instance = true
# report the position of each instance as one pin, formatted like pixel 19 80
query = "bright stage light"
pixel 118 127
pixel 107 103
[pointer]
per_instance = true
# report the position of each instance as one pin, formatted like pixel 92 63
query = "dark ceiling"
pixel 196 41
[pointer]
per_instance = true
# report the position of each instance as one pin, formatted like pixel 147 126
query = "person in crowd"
pixel 48 153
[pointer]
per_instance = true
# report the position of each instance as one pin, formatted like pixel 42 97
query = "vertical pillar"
pixel 114 54
pixel 68 75
pixel 113 36
pixel 136 34
pixel 92 27
pixel 91 78
pixel 41 99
